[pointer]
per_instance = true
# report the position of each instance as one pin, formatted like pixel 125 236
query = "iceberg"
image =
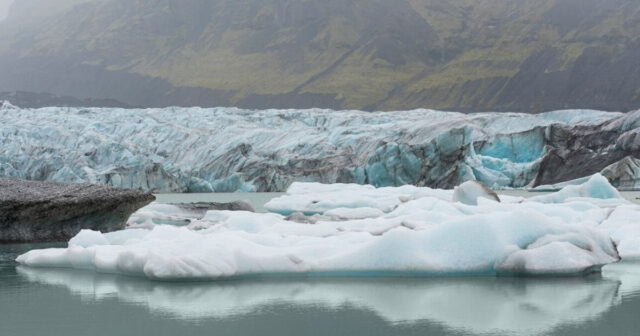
pixel 229 149
pixel 315 198
pixel 596 186
pixel 180 214
pixel 365 231
pixel 470 191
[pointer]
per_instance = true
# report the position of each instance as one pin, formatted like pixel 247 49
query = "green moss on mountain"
pixel 524 55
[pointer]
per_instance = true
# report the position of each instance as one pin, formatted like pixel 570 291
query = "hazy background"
pixel 465 55
pixel 4 8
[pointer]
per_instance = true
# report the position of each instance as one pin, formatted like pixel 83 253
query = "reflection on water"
pixel 60 302
pixel 628 274
pixel 469 305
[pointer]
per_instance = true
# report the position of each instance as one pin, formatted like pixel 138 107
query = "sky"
pixel 4 7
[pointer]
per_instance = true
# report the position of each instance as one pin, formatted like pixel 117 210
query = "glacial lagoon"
pixel 63 302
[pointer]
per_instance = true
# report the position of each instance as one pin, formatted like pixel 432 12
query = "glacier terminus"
pixel 230 149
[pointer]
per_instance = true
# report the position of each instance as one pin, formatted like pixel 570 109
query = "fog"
pixel 4 8
pixel 358 54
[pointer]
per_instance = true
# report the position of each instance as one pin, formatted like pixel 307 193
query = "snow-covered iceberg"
pixel 229 149
pixel 366 231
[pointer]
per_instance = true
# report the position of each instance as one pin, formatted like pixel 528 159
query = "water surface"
pixel 259 199
pixel 65 302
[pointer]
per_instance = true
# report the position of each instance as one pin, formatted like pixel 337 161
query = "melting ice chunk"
pixel 364 231
pixel 597 186
pixel 470 191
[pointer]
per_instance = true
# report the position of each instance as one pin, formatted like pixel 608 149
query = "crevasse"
pixel 229 149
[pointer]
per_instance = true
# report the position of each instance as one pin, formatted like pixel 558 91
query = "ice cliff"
pixel 355 230
pixel 229 149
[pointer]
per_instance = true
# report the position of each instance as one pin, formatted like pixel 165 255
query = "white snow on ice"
pixel 364 231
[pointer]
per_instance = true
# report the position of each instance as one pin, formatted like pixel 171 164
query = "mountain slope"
pixel 464 55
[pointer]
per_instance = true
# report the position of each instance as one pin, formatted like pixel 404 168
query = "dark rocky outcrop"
pixel 575 152
pixel 32 211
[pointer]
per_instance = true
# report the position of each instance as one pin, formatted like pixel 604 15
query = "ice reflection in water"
pixel 476 305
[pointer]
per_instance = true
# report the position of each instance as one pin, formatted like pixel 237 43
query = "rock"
pixel 32 211
pixel 469 192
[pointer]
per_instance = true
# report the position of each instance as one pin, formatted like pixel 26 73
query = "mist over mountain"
pixel 466 55
pixel 4 8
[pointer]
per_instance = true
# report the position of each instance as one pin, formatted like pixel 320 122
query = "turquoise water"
pixel 61 302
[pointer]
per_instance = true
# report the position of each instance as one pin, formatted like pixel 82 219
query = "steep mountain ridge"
pixel 367 54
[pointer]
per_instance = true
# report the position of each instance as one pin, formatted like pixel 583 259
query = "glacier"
pixel 363 231
pixel 229 149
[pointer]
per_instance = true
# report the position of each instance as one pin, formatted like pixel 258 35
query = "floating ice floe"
pixel 595 187
pixel 364 231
